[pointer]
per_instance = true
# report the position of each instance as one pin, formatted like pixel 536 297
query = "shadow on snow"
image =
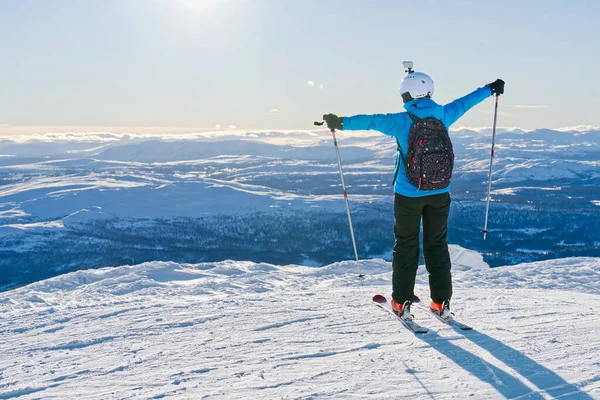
pixel 508 385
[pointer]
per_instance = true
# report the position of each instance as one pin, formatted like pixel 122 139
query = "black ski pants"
pixel 408 212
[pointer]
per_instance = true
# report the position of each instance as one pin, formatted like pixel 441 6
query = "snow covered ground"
pixel 259 331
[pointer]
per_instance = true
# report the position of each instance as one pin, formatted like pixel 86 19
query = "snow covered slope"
pixel 260 331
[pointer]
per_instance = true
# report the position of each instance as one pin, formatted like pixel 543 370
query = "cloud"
pixel 311 83
pixel 579 128
pixel 488 129
pixel 71 133
pixel 232 127
pixel 321 86
pixel 308 137
pixel 274 111
pixel 528 106
pixel 217 126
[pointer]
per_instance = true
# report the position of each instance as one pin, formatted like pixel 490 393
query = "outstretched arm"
pixel 453 111
pixel 384 123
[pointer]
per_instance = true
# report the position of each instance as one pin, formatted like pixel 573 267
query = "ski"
pixel 411 325
pixel 447 318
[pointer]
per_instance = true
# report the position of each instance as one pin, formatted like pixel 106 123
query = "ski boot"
pixel 440 309
pixel 402 310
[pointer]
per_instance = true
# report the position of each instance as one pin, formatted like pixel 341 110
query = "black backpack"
pixel 430 157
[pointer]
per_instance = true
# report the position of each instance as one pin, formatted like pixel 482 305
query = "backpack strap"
pixel 413 117
pixel 399 159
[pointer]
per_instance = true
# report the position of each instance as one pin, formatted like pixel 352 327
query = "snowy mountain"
pixel 244 330
pixel 70 201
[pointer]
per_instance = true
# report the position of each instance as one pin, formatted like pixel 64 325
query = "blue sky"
pixel 201 63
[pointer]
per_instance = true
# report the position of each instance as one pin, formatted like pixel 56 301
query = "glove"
pixel 333 121
pixel 497 87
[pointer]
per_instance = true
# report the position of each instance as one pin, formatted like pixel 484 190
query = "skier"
pixel 416 196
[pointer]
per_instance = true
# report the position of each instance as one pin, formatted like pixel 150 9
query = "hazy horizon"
pixel 6 131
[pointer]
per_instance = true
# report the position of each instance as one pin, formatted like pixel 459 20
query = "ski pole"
pixel 337 152
pixel 487 204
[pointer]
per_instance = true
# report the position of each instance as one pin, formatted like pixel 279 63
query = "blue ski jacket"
pixel 398 125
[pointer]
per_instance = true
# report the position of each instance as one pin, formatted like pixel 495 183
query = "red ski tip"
pixel 379 299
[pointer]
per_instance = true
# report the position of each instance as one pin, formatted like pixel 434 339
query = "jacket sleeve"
pixel 453 111
pixel 384 123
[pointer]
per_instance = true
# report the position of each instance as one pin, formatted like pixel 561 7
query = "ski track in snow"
pixel 246 330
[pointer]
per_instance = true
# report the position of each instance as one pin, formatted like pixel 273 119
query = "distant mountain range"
pixel 71 201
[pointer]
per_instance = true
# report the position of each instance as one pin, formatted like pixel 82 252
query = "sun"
pixel 199 19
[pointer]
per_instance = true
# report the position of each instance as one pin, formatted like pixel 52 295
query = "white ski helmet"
pixel 417 85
